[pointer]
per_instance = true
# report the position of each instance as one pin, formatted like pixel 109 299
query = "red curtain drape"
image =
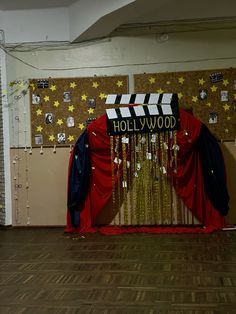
pixel 188 181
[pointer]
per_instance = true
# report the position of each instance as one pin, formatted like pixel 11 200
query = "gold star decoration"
pixel 228 118
pixel 160 91
pixel 51 137
pixel 201 81
pixel 180 95
pixel 73 85
pixel 71 108
pixel 91 110
pixel 168 82
pixel 95 85
pixel 225 82
pixel 46 98
pixel 60 122
pixel 102 95
pixel 214 88
pixel 226 107
pixel 84 97
pixel 81 126
pixel 119 83
pixel 39 128
pixel 181 80
pixel 226 130
pixel 194 98
pixel 152 80
pixel 208 104
pixel 56 103
pixel 71 138
pixel 39 112
pixel 53 88
pixel 32 86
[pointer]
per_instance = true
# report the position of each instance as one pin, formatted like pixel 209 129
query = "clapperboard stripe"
pixel 138 111
pixel 139 99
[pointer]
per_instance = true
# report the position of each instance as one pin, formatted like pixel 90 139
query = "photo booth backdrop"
pixel 219 89
pixel 27 209
pixel 85 102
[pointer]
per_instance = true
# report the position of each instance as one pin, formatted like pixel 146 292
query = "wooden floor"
pixel 46 271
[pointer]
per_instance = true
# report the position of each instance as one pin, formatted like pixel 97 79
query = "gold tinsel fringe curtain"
pixel 143 167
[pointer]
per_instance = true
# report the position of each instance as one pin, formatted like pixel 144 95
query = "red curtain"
pixel 188 181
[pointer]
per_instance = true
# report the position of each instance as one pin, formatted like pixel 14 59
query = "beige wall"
pixel 47 181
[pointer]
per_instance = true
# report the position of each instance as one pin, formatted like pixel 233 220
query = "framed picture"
pixel 92 103
pixel 38 139
pixel 49 118
pixel 66 97
pixel 213 117
pixel 36 99
pixel 42 83
pixel 203 94
pixel 70 122
pixel 61 138
pixel 224 95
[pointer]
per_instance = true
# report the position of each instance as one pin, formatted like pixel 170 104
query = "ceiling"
pixel 92 19
pixel 33 4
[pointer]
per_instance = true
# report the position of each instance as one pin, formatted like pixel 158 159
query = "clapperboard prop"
pixel 150 113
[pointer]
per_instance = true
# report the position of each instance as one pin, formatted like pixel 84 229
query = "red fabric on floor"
pixel 188 181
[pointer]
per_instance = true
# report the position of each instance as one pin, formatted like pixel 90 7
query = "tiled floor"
pixel 46 271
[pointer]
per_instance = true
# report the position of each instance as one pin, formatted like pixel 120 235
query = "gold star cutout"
pixel 181 80
pixel 119 83
pixel 84 97
pixel 180 95
pixel 71 108
pixel 95 84
pixel 201 81
pixel 194 98
pixel 228 118
pixel 160 91
pixel 39 128
pixel 91 110
pixel 72 85
pixel 226 130
pixel 102 96
pixel 81 126
pixel 53 88
pixel 51 138
pixel 46 98
pixel 152 80
pixel 56 103
pixel 60 122
pixel 214 88
pixel 225 82
pixel 208 104
pixel 39 112
pixel 32 86
pixel 226 107
pixel 71 138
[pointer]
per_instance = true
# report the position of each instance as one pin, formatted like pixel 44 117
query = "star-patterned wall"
pixel 62 107
pixel 210 94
